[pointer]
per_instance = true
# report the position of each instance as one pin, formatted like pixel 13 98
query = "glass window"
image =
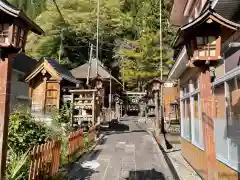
pixel 233 120
pixel 206 46
pixel 187 127
pixel 200 41
pixel 196 120
pixel 21 38
pixel 220 122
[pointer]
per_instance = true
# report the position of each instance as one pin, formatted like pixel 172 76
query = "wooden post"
pixel 44 95
pixel 208 125
pixel 93 108
pixel 72 108
pixel 157 125
pixel 5 95
pixel 59 93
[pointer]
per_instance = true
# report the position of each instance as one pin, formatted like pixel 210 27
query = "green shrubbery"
pixel 23 133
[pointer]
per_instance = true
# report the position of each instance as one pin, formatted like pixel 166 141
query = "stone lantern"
pixel 154 87
pixel 14 27
pixel 117 105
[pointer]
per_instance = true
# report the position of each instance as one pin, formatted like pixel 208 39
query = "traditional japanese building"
pixel 207 67
pixel 89 73
pixel 46 83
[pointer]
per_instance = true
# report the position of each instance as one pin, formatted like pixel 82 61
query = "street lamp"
pixel 14 26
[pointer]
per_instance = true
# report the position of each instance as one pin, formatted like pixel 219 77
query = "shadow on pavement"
pixel 145 175
pixel 81 174
pixel 167 159
pixel 76 171
pixel 114 125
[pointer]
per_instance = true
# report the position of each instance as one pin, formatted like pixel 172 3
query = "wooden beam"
pixel 44 94
pixel 82 90
pixel 58 94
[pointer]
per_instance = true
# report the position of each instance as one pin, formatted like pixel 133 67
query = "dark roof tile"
pixel 23 63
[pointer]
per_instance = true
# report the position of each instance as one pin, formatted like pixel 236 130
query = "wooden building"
pixel 96 70
pixel 46 82
pixel 170 100
pixel 207 67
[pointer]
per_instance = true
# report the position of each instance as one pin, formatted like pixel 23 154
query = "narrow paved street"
pixel 126 153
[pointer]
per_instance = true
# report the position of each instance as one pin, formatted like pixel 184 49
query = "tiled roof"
pixel 23 63
pixel 61 70
pixel 81 72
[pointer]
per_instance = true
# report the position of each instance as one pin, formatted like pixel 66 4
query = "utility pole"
pixel 90 63
pixel 110 90
pixel 161 64
pixel 60 47
pixel 98 7
pixel 61 34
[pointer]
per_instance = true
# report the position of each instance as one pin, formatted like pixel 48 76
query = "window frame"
pixel 228 76
pixel 206 46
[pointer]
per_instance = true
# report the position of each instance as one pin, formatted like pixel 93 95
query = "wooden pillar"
pixel 157 124
pixel 208 125
pixel 94 108
pixel 58 84
pixel 5 95
pixel 44 95
pixel 72 108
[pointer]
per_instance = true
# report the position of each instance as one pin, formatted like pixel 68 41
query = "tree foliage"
pixel 32 8
pixel 80 30
pixel 123 23
pixel 25 132
pixel 140 57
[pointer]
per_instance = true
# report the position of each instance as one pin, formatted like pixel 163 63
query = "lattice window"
pixel 4 33
pixel 207 46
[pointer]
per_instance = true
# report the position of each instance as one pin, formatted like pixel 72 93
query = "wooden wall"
pixel 197 159
pixel 52 95
pixel 45 93
pixel 169 95
pixel 37 94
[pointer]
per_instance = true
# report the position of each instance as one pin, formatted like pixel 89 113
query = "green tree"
pixel 80 16
pixel 31 7
pixel 140 57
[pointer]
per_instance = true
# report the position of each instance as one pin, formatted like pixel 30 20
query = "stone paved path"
pixel 124 155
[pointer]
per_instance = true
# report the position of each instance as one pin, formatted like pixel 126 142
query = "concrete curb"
pixel 161 150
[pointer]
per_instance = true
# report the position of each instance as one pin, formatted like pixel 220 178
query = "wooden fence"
pixel 75 142
pixel 45 160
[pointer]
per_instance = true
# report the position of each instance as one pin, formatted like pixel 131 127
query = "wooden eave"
pixel 200 22
pixel 16 13
pixel 149 83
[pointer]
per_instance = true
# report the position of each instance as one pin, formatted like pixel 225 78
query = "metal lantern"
pixel 12 35
pixel 156 84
